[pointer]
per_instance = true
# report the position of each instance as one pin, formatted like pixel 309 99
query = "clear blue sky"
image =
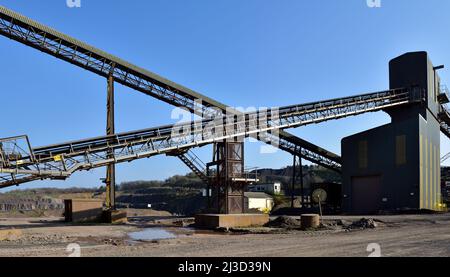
pixel 242 53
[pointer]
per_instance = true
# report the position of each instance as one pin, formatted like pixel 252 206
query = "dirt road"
pixel 407 235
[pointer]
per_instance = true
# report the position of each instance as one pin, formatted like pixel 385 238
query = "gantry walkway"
pixel 19 163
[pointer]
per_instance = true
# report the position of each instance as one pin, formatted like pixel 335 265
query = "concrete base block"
pixel 115 217
pixel 230 220
pixel 83 210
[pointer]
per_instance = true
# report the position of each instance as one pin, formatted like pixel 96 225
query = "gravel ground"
pixel 407 235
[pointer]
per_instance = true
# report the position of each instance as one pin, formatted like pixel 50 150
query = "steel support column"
pixel 294 175
pixel 302 188
pixel 110 129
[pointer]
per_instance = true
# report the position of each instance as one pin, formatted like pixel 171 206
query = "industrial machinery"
pixel 61 46
pixel 221 125
pixel 333 202
pixel 59 161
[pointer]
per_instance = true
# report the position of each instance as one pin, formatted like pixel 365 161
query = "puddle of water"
pixel 151 234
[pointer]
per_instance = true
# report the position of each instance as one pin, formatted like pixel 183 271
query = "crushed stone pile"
pixel 287 222
pixel 284 222
pixel 365 223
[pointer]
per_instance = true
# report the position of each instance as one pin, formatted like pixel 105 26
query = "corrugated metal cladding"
pixel 397 166
pixel 430 173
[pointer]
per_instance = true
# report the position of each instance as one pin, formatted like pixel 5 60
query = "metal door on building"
pixel 366 194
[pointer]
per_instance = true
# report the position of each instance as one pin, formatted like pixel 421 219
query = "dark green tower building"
pixel 397 166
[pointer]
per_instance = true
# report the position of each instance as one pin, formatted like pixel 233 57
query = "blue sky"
pixel 242 53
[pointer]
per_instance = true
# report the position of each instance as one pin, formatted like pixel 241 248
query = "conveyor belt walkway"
pixel 31 33
pixel 62 160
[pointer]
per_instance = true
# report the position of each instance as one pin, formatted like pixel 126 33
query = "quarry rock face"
pixel 30 203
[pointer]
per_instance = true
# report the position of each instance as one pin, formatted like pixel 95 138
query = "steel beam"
pixel 110 180
pixel 302 186
pixel 294 175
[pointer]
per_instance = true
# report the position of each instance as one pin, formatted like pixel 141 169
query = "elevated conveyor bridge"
pixel 20 164
pixel 31 33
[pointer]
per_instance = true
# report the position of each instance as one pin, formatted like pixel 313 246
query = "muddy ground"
pixel 406 235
